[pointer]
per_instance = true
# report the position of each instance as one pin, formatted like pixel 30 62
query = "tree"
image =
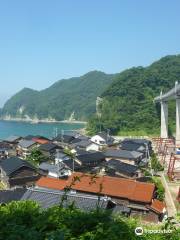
pixel 36 157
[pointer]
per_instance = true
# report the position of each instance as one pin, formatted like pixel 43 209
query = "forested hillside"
pixel 77 95
pixel 128 106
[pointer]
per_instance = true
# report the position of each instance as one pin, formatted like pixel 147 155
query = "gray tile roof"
pixel 48 147
pixel 132 146
pixel 61 155
pixel 26 143
pixel 106 137
pixel 121 209
pixel 131 155
pixel 64 138
pixel 48 198
pixel 91 157
pixel 70 164
pixel 83 137
pixel 12 164
pixel 7 196
pixel 49 167
pixel 138 140
pixel 12 138
pixel 121 167
pixel 83 143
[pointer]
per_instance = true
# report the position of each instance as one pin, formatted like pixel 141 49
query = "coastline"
pixel 36 121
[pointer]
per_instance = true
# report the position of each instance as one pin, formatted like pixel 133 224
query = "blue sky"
pixel 42 41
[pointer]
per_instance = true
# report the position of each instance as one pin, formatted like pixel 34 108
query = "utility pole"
pixel 62 136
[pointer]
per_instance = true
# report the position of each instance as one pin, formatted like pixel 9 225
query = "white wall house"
pixel 98 140
pixel 92 147
pixel 102 139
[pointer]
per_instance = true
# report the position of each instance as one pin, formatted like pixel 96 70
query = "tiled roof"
pixel 131 155
pixel 70 164
pixel 138 140
pixel 11 195
pixel 40 140
pixel 30 137
pixel 12 164
pixel 48 198
pixel 157 206
pixel 64 138
pixel 83 137
pixel 121 209
pixel 4 145
pixel 91 156
pixel 12 138
pixel 26 143
pixel 132 146
pixel 83 143
pixel 105 136
pixel 112 186
pixel 122 167
pixel 48 147
pixel 80 151
pixel 48 167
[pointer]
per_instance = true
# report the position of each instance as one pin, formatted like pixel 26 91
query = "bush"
pixel 160 189
pixel 155 164
pixel 26 220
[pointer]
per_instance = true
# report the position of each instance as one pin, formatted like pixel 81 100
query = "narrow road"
pixel 168 198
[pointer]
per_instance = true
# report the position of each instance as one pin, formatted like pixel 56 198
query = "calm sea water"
pixel 8 128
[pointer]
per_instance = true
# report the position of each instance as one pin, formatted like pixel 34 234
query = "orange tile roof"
pixel 157 206
pixel 111 186
pixel 40 140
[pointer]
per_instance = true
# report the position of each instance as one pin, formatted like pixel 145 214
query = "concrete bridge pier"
pixel 178 121
pixel 164 119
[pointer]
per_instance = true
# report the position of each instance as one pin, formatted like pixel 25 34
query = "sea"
pixel 50 130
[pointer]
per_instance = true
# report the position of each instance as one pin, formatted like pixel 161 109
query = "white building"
pixel 102 139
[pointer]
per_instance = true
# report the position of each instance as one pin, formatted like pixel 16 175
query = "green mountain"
pixel 76 95
pixel 128 106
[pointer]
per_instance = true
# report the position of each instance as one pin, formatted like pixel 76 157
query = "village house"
pixel 130 157
pixel 139 145
pixel 25 147
pixel 63 139
pixel 86 145
pixel 102 139
pixel 15 171
pixel 8 195
pixel 137 197
pixel 90 160
pixel 37 137
pixel 120 169
pixel 47 198
pixel 6 150
pixel 13 140
pixel 68 161
pixel 55 170
pixel 61 157
pixel 49 149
